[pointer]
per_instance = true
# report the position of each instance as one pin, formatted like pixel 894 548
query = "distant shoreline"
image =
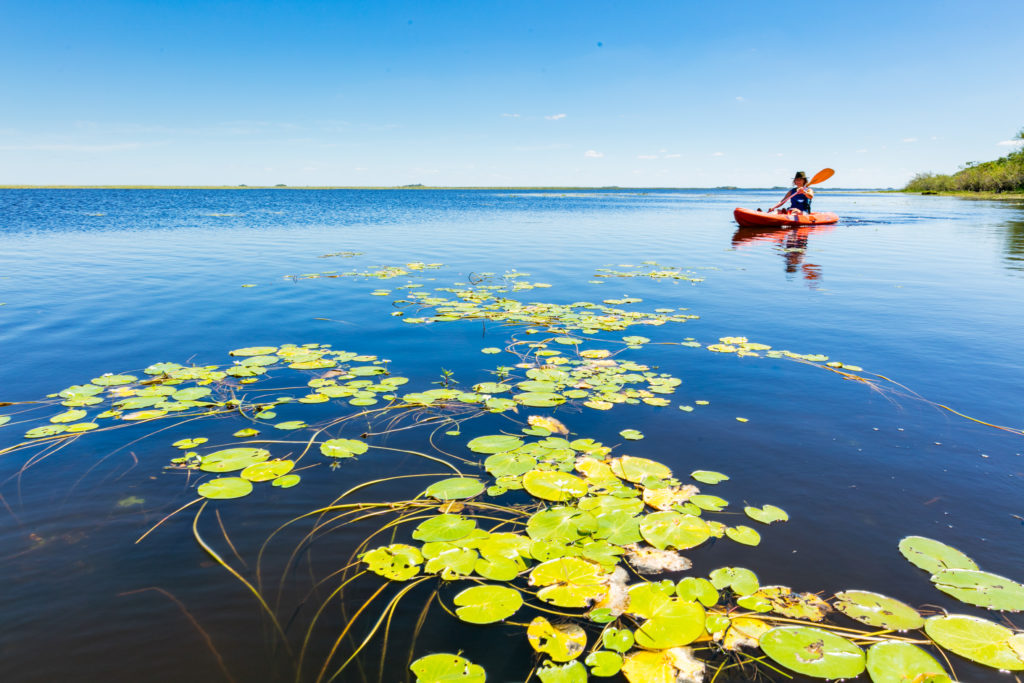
pixel 963 194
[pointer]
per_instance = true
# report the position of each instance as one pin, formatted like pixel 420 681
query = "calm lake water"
pixel 925 291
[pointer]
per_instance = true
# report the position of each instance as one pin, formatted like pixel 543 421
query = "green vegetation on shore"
pixel 1004 175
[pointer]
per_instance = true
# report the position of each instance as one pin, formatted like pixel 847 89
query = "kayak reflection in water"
pixel 799 197
pixel 791 244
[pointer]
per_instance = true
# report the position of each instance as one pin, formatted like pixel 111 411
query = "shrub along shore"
pixel 1002 176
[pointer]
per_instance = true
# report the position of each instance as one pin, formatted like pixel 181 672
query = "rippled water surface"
pixel 924 291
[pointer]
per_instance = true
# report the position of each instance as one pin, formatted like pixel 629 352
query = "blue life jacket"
pixel 798 201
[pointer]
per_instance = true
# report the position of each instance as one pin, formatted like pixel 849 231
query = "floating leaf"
pixel 46 430
pixel 509 463
pixel 805 606
pixel 933 556
pixel 975 639
pixel 708 477
pixel 813 652
pixel 291 424
pixel 603 663
pixel 496 443
pixel 114 380
pixel 455 488
pixel 618 639
pixel 878 610
pixel 225 487
pixel 444 528
pixel 744 535
pixel 638 470
pixel 631 434
pixel 253 351
pixel 287 481
pixel 670 622
pixel 666 666
pixel 675 530
pixel 897 662
pixel 562 643
pixel 708 502
pixel 981 588
pixel 555 486
pixel 572 672
pixel 248 431
pixel 186 444
pixel 569 582
pixel 68 416
pixel 568 524
pixel 447 668
pixel 232 459
pixel 696 588
pixel 766 514
pixel 266 471
pixel 741 581
pixel 343 448
pixel 487 604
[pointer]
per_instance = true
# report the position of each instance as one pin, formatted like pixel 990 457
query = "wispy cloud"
pixel 511 116
pixel 646 156
pixel 593 154
pixel 1011 143
pixel 739 98
pixel 718 154
pixel 909 139
pixel 555 117
pixel 673 156
pixel 861 151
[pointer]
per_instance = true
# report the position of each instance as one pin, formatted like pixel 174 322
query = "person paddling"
pixel 799 197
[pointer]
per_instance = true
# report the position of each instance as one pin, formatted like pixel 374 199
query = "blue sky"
pixel 682 94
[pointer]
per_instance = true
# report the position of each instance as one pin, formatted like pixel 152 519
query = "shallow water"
pixel 926 291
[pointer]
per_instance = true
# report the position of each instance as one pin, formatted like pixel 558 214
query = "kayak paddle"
pixel 821 176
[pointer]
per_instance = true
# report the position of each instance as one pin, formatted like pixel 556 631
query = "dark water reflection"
pixel 923 290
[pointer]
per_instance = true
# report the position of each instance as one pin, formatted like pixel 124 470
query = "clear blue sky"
pixel 504 93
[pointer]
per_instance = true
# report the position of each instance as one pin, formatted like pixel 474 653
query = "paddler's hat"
pixel 799 175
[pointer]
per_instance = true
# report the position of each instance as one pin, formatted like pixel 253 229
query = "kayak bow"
pixel 750 218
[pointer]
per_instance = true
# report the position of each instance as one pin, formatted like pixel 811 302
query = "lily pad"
pixel 674 530
pixel 741 581
pixel 638 470
pixel 631 434
pixel 897 662
pixel 554 486
pixel 669 622
pixel 398 561
pixel 878 610
pixel 509 463
pixel 455 488
pixel 813 652
pixel 287 481
pixel 343 448
pixel 708 477
pixel 253 351
pixel 563 643
pixel 487 604
pixel 447 668
pixel 266 471
pixel 496 443
pixel 766 514
pixel 604 663
pixel 981 588
pixel 290 425
pixel 744 535
pixel 975 639
pixel 666 666
pixel 933 556
pixel 232 459
pixel 568 524
pixel 444 528
pixel 225 487
pixel 570 672
pixel 569 582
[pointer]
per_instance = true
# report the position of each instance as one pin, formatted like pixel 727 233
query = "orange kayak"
pixel 750 218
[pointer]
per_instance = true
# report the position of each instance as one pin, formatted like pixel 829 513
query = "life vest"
pixel 799 201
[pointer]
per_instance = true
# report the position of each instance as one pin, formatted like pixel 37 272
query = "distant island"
pixel 1002 176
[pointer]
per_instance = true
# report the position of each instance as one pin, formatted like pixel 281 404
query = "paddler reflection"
pixel 791 243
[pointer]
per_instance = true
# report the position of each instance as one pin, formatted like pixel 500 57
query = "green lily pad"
pixel 933 556
pixel 232 459
pixel 570 672
pixel 708 502
pixel 897 662
pixel 452 563
pixel 266 471
pixel 569 582
pixel 766 514
pixel 554 486
pixel 491 388
pixel 225 487
pixel 878 610
pixel 447 668
pixel 708 477
pixel 618 639
pixel 975 639
pixel 248 431
pixel 191 394
pixel 741 581
pixel 68 416
pixel 287 481
pixel 568 524
pixel 487 604
pixel 253 351
pixel 674 530
pixel 343 448
pixel 631 434
pixel 46 430
pixel 637 470
pixel 540 399
pixel 696 588
pixel 981 588
pixel 188 444
pixel 398 562
pixel 290 425
pixel 603 663
pixel 444 528
pixel 670 622
pixel 114 380
pixel 744 535
pixel 495 443
pixel 813 652
pixel 563 643
pixel 455 488
pixel 509 463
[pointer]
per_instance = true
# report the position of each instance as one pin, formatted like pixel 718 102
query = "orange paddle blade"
pixel 821 176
